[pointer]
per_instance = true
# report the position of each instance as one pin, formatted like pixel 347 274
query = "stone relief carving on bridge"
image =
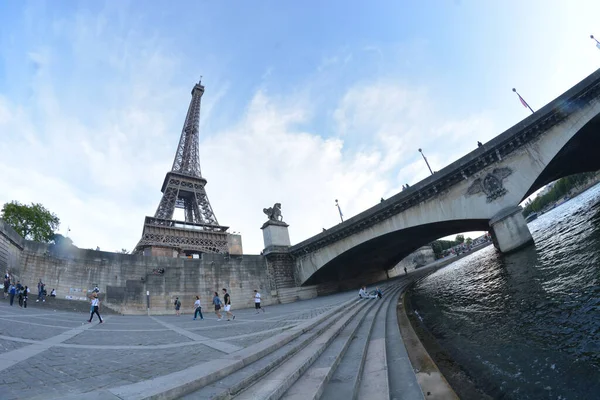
pixel 274 213
pixel 491 184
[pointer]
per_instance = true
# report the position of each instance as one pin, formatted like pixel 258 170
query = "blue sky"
pixel 305 102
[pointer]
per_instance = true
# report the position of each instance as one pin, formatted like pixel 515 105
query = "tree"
pixel 32 222
pixel 469 241
pixel 460 238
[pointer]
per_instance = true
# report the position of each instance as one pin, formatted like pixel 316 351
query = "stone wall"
pixel 123 279
pixel 11 245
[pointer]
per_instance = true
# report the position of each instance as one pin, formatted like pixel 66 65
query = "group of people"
pixel 363 293
pixel 21 292
pixel 218 304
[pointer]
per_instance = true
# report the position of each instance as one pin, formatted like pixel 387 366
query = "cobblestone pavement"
pixel 48 353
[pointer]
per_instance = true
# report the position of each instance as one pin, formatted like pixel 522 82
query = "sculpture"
pixel 491 184
pixel 274 213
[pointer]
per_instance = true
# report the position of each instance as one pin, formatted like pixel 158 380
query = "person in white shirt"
pixel 257 302
pixel 364 294
pixel 95 305
pixel 198 308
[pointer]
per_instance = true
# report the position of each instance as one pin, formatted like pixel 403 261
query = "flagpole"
pixel 339 209
pixel 523 100
pixel 597 42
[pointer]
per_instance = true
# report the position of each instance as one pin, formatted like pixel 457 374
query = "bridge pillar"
pixel 509 230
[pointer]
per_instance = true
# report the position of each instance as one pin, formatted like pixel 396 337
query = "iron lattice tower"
pixel 183 187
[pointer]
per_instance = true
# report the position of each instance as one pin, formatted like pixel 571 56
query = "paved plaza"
pixel 48 353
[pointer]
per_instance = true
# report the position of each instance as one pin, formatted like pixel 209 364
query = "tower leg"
pixel 510 231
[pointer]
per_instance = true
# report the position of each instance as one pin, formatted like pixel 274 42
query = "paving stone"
pixel 58 356
pixel 99 337
pixel 9 345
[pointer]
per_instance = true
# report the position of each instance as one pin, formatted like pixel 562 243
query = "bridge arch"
pixel 384 252
pixel 479 191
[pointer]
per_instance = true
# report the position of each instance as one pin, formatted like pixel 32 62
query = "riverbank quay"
pixel 438 375
pixel 330 347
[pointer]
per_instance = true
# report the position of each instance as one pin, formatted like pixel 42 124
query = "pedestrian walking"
pixel 198 308
pixel 217 303
pixel 227 301
pixel 21 294
pixel 12 290
pixel 40 287
pixel 25 296
pixel 95 308
pixel 6 285
pixel 257 302
pixel 405 271
pixel 177 306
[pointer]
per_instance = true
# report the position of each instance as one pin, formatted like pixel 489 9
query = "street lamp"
pixel 596 40
pixel 339 209
pixel 424 158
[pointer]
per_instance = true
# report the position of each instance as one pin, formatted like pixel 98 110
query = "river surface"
pixel 525 325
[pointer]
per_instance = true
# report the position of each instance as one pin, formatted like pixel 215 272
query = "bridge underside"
pixel 384 252
pixel 580 154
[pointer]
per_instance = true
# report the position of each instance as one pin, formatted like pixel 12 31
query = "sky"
pixel 305 102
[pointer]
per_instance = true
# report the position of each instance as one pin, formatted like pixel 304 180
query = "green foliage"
pixel 469 241
pixel 460 238
pixel 32 222
pixel 561 188
pixel 439 246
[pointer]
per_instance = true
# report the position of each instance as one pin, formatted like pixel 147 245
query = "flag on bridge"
pixel 523 101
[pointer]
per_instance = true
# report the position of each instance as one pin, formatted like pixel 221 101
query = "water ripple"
pixel 526 325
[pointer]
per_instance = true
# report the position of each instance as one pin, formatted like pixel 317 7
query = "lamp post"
pixel 424 158
pixel 596 40
pixel 339 209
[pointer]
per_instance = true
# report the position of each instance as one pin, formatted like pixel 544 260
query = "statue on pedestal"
pixel 274 213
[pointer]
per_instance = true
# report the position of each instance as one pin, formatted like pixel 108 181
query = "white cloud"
pixel 96 153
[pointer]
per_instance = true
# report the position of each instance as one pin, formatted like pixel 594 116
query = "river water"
pixel 525 325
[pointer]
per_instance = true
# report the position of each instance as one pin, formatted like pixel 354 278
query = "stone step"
pixel 403 379
pixel 312 383
pixel 287 295
pixel 177 384
pixel 235 382
pixel 274 384
pixel 344 382
pixel 374 381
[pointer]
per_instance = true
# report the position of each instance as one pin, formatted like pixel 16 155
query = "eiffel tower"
pixel 183 187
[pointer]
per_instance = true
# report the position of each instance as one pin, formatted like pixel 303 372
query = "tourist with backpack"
pixel 217 303
pixel 11 292
pixel 177 306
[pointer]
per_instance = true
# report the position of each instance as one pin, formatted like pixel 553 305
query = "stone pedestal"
pixel 509 230
pixel 280 263
pixel 275 236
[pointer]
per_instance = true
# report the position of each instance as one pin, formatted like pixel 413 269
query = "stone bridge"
pixel 479 192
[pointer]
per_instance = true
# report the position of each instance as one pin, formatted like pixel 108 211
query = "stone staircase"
pixel 351 351
pixel 343 354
